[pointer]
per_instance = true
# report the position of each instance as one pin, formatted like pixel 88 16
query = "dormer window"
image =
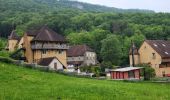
pixel 166 53
pixel 164 45
pixel 155 45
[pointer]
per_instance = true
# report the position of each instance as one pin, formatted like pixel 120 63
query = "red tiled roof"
pixel 162 47
pixel 78 50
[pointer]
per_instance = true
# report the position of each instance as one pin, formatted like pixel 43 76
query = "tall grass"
pixel 19 83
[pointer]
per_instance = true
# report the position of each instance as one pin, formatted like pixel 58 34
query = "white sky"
pixel 156 5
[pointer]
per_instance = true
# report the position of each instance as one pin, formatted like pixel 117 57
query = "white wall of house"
pixel 90 58
pixel 59 65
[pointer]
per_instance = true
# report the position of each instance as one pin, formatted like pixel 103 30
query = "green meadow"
pixel 19 83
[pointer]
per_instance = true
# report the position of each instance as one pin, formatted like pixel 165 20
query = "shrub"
pixel 148 72
pixel 106 64
pixel 91 69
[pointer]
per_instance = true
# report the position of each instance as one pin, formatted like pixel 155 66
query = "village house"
pixel 81 55
pixel 52 63
pixel 39 46
pixel 156 53
pixel 13 41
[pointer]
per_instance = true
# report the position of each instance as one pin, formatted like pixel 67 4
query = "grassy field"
pixel 18 83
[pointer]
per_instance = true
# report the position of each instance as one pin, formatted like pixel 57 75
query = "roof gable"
pixel 46 34
pixel 78 50
pixel 13 36
pixel 47 61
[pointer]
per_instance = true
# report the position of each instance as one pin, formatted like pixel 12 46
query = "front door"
pixel 55 66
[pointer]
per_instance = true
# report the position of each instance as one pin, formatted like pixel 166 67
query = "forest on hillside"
pixel 109 31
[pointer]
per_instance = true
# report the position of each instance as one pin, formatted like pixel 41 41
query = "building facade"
pixel 81 55
pixel 52 63
pixel 126 73
pixel 156 53
pixel 44 43
pixel 13 41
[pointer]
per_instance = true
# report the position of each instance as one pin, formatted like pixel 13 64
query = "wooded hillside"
pixel 84 23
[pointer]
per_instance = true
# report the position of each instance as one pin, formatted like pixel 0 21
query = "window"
pixel 166 53
pixel 153 56
pixel 44 51
pixel 60 51
pixel 144 47
pixel 155 45
pixel 164 45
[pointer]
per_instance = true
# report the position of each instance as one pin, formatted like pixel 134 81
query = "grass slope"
pixel 18 83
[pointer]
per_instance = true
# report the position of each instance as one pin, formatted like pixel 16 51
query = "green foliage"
pixel 106 65
pixel 91 69
pixel 148 72
pixel 111 50
pixel 3 43
pixel 84 23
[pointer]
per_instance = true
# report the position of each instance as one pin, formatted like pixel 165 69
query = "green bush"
pixel 91 69
pixel 106 64
pixel 148 72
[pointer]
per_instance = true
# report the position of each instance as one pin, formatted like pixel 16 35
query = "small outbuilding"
pixel 52 63
pixel 126 73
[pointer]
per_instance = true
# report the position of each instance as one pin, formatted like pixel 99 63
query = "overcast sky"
pixel 156 5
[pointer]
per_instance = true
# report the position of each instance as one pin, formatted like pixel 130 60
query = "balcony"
pixel 49 46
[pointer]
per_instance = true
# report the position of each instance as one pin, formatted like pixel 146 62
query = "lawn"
pixel 18 83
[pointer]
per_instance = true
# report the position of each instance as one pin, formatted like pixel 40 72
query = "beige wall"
pixel 27 46
pixel 51 53
pixel 12 45
pixel 146 56
pixel 20 43
pixel 36 55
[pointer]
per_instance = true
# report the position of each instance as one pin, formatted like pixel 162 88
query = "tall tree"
pixel 111 49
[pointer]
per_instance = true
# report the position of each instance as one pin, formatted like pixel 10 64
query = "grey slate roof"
pixel 46 34
pixel 13 36
pixel 162 47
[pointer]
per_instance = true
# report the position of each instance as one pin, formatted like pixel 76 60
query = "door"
pixel 55 66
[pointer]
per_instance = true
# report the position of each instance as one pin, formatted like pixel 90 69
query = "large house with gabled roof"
pixel 44 43
pixel 156 53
